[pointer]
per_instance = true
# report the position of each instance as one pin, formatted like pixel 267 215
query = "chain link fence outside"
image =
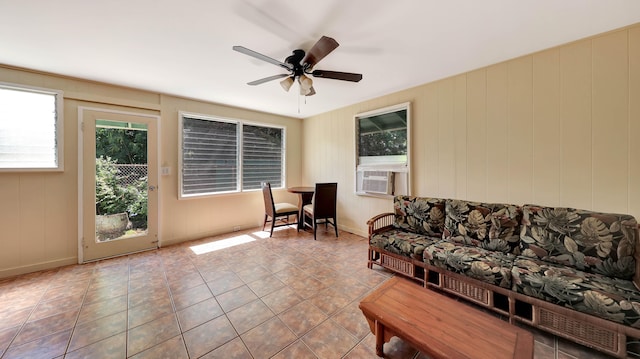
pixel 129 174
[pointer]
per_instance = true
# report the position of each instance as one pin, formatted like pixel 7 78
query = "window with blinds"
pixel 30 129
pixel 223 156
pixel 261 156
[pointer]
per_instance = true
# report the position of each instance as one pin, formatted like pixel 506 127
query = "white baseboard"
pixel 356 231
pixel 14 271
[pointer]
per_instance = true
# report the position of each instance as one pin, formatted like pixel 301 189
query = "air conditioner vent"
pixel 377 182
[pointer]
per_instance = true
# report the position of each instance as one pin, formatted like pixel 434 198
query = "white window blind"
pixel 261 156
pixel 30 128
pixel 221 156
pixel 209 156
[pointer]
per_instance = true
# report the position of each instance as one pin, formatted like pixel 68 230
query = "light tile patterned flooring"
pixel 284 297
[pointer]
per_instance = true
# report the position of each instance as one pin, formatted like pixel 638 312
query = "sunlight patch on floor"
pixel 265 234
pixel 222 244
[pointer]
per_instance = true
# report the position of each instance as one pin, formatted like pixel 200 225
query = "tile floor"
pixel 241 295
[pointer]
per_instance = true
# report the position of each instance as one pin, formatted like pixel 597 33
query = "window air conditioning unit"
pixel 380 182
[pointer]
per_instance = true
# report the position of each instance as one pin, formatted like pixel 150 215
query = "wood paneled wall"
pixel 559 127
pixel 39 210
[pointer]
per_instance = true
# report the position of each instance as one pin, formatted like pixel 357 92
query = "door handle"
pixel 152 188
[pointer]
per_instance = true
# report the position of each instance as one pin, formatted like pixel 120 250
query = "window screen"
pixel 209 156
pixel 229 156
pixel 30 128
pixel 261 156
pixel 382 137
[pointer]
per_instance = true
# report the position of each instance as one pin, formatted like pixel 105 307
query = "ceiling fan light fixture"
pixel 300 64
pixel 312 92
pixel 305 84
pixel 287 83
pixel 304 92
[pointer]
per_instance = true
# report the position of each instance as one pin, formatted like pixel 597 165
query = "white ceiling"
pixel 184 47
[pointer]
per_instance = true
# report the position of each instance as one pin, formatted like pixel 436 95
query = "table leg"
pixel 379 339
pixel 300 219
pixel 303 200
pixel 300 212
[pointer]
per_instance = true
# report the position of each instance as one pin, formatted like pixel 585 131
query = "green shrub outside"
pixel 112 198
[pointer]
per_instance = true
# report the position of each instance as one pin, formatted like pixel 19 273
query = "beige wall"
pixel 559 127
pixel 39 211
pixel 196 218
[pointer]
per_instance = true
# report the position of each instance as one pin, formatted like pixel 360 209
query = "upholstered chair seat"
pixel 276 211
pixel 283 208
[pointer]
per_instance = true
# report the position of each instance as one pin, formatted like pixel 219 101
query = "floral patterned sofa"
pixel 567 271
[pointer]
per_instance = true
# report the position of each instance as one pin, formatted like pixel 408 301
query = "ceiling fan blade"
pixel 267 79
pixel 322 48
pixel 262 57
pixel 345 76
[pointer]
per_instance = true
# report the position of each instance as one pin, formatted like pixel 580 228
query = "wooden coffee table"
pixel 439 326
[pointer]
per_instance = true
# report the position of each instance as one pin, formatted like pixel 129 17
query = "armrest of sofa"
pixel 381 223
pixel 636 256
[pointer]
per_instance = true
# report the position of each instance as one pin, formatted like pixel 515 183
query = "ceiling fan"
pixel 300 64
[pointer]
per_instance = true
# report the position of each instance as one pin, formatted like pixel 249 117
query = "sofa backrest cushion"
pixel 492 226
pixel 594 242
pixel 421 215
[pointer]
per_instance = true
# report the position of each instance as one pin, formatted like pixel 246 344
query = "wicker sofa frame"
pixel 600 334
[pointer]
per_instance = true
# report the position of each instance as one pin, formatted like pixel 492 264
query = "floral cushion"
pixel 419 215
pixel 401 242
pixel 485 265
pixel 596 294
pixel 595 242
pixel 491 226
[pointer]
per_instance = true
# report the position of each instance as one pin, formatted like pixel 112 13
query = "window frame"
pixel 283 149
pixel 240 152
pixel 401 169
pixel 383 160
pixel 59 126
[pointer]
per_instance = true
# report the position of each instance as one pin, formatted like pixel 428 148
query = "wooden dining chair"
pixel 276 210
pixel 322 208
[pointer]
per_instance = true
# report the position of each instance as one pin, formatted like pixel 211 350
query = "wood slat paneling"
pixel 634 121
pixel 520 139
pixel 575 114
pixel 547 147
pixel 32 218
pixel 498 132
pixel 10 220
pixel 476 136
pixel 429 116
pixel 460 134
pixel 610 108
pixel 558 127
pixel 446 139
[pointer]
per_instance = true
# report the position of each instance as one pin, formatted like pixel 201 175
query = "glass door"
pixel 119 183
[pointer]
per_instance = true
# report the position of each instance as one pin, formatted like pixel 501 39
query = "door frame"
pixel 81 189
